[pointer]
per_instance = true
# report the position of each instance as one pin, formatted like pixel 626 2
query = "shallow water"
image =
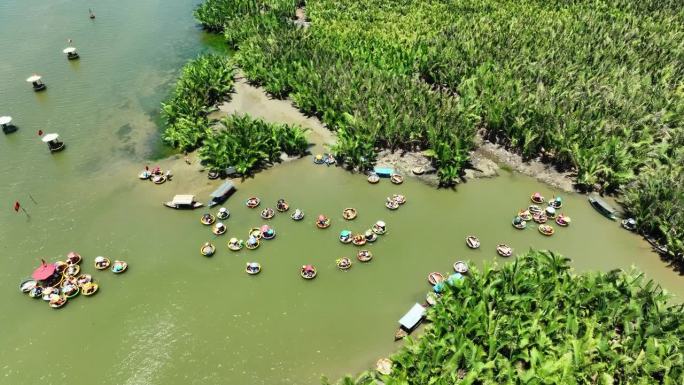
pixel 179 318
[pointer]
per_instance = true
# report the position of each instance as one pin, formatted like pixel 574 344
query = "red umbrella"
pixel 44 271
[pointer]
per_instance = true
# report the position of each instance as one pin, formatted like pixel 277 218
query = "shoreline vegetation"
pixel 600 97
pixel 534 321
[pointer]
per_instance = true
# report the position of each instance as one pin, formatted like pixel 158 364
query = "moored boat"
pixel 252 243
pixel 399 198
pixel 563 220
pixel 461 267
pixel 223 213
pixel 396 179
pixel 267 213
pixel 537 198
pixel 546 230
pixel 253 202
pixel 472 242
pixel 119 267
pixel 308 272
pixel 89 289
pixel 318 159
pixel 400 333
pixel 235 245
pixel 629 224
pixel 219 228
pixel 518 223
pixel 207 249
pixel 525 215
pixel 391 204
pixel 343 263
pixel 144 175
pixel 431 298
pixel 207 219
pixel 384 366
pixel 253 268
pixel 504 250
pixel 604 208
pixel 349 213
pixel 158 178
pixel 540 218
pixel 383 172
pixel 435 278
pixel 418 170
pixel 102 263
pixel 282 205
pixel 379 228
pixel 364 255
pixel 183 202
pixel 329 159
pixel 345 236
pixel 359 240
pixel 323 222
pixel 297 215
pixel 373 178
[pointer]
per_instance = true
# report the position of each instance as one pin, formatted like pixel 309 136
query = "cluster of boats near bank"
pixel 384 172
pixel 156 175
pixel 541 215
pixel 58 282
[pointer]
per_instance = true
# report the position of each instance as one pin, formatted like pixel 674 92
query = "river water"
pixel 179 318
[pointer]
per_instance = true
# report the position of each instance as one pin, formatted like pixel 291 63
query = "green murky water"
pixel 176 317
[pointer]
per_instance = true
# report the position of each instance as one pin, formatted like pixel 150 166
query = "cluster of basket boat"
pixel 64 280
pixel 266 232
pixel 541 216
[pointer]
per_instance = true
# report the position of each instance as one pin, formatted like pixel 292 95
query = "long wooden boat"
pixel 604 208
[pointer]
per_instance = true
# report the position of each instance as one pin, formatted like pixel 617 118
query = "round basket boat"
pixel 461 267
pixel 282 205
pixel 144 175
pixel 70 291
pixel 329 159
pixel 83 279
pixel 472 242
pixel 349 213
pixel 102 263
pixel 72 270
pixel 89 289
pixel 219 229
pixel 235 245
pixel 504 250
pixel 73 258
pixel 556 203
pixel 563 220
pixel 399 198
pixel 550 212
pixel 308 272
pixel 359 240
pixel 297 215
pixel 431 298
pixel 318 159
pixel 518 223
pixel 384 366
pixel 364 255
pixel 252 243
pixel 253 268
pixel 546 230
pixel 373 178
pixel 391 204
pixel 253 202
pixel 207 219
pixel 534 209
pixel 223 213
pixel 119 267
pixel 345 236
pixel 537 198
pixel 36 292
pixel 255 232
pixel 213 174
pixel 27 285
pixel 525 215
pixel 418 170
pixel 396 179
pixel 323 222
pixel 158 179
pixel 435 278
pixel 267 232
pixel 267 213
pixel 57 301
pixel 540 218
pixel 379 228
pixel 371 236
pixel 207 249
pixel 61 266
pixel 48 292
pixel 343 263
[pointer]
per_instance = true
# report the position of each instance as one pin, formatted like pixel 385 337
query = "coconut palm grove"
pixel 594 88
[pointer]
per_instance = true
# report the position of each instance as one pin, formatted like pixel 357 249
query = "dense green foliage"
pixel 593 86
pixel 204 82
pixel 248 144
pixel 534 322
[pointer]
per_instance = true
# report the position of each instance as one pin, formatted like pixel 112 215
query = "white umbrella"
pixel 49 137
pixel 5 120
pixel 68 50
pixel 33 78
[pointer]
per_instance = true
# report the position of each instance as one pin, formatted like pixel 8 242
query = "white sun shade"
pixel 50 137
pixel 69 50
pixel 34 78
pixel 5 120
